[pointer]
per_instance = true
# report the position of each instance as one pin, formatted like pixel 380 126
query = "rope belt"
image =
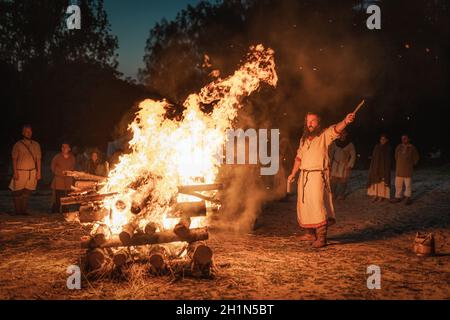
pixel 307 172
pixel 29 172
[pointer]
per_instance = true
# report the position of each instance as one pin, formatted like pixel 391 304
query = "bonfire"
pixel 156 205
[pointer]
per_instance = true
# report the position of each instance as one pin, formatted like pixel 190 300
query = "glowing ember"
pixel 168 153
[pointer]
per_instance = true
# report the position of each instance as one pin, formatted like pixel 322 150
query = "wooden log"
pixel 78 175
pixel 139 239
pixel 138 206
pixel 79 191
pixel 186 267
pixel 200 253
pixel 80 199
pixel 202 197
pixel 181 229
pixel 122 257
pixel 85 184
pixel 174 214
pixel 89 214
pixel 101 234
pixel 189 209
pixel 120 205
pixel 150 228
pixel 127 232
pixel 200 187
pixel 73 216
pixel 158 257
pixel 96 258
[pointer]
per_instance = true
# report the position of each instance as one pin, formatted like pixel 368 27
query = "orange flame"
pixel 167 153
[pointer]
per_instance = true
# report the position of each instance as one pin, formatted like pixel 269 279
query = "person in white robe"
pixel 315 204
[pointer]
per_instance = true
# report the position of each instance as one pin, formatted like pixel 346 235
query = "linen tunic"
pixel 26 163
pixel 315 202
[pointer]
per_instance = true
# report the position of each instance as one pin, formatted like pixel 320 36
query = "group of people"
pixel 406 157
pixel 342 160
pixel 325 158
pixel 27 163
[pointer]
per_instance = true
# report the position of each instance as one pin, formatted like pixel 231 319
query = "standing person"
pixel 63 161
pixel 315 203
pixel 343 156
pixel 26 162
pixel 380 171
pixel 406 157
pixel 96 166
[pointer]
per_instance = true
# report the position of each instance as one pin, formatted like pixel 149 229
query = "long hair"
pixel 306 133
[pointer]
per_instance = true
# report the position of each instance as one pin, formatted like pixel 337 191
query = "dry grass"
pixel 266 264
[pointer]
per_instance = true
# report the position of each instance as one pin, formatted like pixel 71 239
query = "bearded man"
pixel 315 203
pixel 26 163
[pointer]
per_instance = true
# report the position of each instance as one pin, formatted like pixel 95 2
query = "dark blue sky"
pixel 131 22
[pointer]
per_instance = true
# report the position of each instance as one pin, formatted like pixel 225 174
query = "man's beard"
pixel 307 134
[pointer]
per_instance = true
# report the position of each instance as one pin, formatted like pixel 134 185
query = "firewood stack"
pixel 146 243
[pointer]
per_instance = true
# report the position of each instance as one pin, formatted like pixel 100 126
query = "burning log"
pixel 194 190
pixel 199 234
pixel 86 184
pixel 150 228
pixel 77 175
pixel 138 206
pixel 189 209
pixel 85 198
pixel 101 234
pixel 122 257
pixel 181 229
pixel 200 187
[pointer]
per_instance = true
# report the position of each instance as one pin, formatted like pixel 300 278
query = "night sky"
pixel 131 22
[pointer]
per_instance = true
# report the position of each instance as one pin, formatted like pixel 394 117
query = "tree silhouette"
pixel 326 59
pixel 64 82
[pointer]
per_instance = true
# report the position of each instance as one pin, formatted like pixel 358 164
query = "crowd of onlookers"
pixel 406 156
pixel 26 163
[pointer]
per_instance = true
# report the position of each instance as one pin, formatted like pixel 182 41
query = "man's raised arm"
pixel 344 123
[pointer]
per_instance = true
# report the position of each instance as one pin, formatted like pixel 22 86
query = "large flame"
pixel 168 153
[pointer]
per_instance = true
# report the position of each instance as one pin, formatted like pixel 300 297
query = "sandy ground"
pixel 266 264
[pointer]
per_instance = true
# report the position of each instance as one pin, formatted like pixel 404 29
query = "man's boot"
pixel 308 236
pixel 321 234
pixel 331 221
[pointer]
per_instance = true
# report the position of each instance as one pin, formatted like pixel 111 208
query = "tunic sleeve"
pixel 330 135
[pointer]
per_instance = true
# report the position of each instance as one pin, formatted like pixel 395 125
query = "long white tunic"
pixel 315 203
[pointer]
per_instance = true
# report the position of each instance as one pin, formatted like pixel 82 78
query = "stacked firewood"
pixel 138 243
